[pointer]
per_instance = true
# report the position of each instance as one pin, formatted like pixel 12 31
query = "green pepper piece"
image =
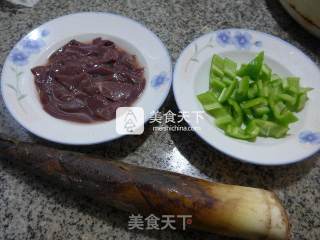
pixel 286 118
pixel 263 90
pixel 227 81
pixel 254 102
pixel 265 117
pixel 291 100
pixel 270 129
pixel 227 92
pixel 234 95
pixel 276 110
pixel 207 98
pixel 302 99
pixel 242 70
pixel 265 73
pixel 237 112
pixel 243 87
pixel 260 88
pixel 215 109
pixel 285 84
pixel 275 77
pixel 274 88
pixel 230 68
pixel 253 68
pixel 292 84
pixel 237 132
pixel 211 105
pixel 280 106
pixel 282 115
pixel 252 129
pixel 266 91
pixel 276 84
pixel 223 121
pixel 216 68
pixel 229 64
pixel 216 84
pixel 215 71
pixel 248 113
pixel 261 110
pixel 253 91
pixel 305 89
pixel 217 61
pixel 230 74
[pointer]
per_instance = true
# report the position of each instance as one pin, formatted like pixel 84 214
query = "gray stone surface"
pixel 32 209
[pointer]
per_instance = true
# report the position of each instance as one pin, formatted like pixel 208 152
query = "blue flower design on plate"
pixel 309 137
pixel 224 38
pixel 28 46
pixel 159 79
pixel 242 40
pixel 19 57
pixel 239 39
pixel 258 43
pixel 31 45
pixel 44 32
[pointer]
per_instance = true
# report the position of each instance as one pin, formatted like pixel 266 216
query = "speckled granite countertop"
pixel 32 209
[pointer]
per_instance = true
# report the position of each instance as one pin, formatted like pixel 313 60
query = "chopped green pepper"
pixel 227 81
pixel 216 84
pixel 260 88
pixel 243 87
pixel 223 121
pixel 237 132
pixel 293 84
pixel 281 113
pixel 248 113
pixel 217 61
pixel 262 110
pixel 253 68
pixel 211 105
pixel 227 92
pixel 302 99
pixel 216 71
pixel 265 73
pixel 291 100
pixel 237 112
pixel 286 118
pixel 252 101
pixel 230 68
pixel 207 98
pixel 270 129
pixel 253 91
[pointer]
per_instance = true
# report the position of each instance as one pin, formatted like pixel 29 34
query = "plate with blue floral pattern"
pixel 191 77
pixel 20 94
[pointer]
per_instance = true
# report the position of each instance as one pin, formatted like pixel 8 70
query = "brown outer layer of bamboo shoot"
pixel 219 208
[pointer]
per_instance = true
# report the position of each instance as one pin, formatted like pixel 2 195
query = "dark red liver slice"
pixel 87 82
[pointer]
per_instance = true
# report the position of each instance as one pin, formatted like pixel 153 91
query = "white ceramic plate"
pixel 191 77
pixel 19 91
